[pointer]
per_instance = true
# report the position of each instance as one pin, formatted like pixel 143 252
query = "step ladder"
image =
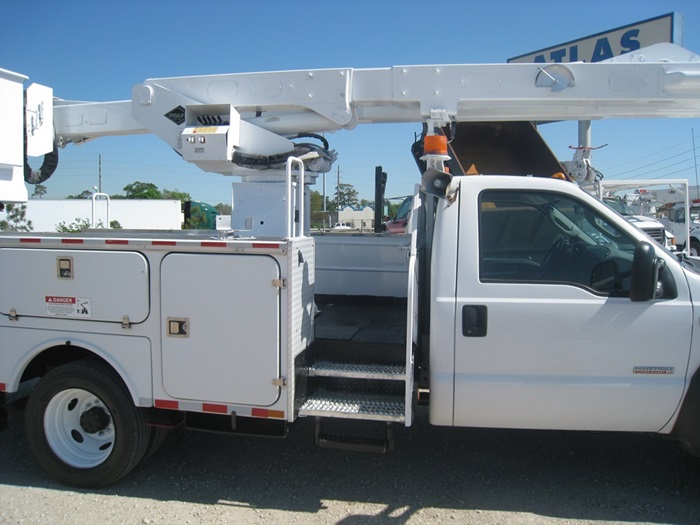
pixel 355 402
pixel 365 382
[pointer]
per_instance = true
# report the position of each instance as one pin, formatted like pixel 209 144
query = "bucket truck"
pixel 513 301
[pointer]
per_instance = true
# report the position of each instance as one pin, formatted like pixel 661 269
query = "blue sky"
pixel 97 50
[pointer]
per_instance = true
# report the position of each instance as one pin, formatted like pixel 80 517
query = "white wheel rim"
pixel 67 437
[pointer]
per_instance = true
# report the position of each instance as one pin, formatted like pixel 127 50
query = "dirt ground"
pixel 435 475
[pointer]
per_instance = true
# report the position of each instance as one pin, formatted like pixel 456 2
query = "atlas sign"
pixel 609 44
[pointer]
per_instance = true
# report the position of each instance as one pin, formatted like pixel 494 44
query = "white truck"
pixel 608 190
pixel 526 302
pixel 685 229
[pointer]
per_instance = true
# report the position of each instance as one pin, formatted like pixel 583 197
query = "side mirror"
pixel 645 272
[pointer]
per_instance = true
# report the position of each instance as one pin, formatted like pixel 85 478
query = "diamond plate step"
pixel 351 405
pixel 358 371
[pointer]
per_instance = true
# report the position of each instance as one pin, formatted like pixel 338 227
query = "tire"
pixel 82 426
pixel 158 435
pixel 694 248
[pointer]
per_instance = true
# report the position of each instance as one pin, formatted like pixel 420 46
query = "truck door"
pixel 221 327
pixel 547 336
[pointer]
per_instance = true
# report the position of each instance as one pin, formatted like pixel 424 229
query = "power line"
pixel 653 163
pixel 657 176
pixel 637 159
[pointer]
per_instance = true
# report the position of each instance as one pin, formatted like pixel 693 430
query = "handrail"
pixel 291 230
pixel 94 198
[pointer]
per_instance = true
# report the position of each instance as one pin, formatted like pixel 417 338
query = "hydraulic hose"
pixel 47 167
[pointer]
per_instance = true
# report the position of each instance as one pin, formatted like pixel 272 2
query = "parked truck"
pixel 642 215
pixel 684 221
pixel 522 301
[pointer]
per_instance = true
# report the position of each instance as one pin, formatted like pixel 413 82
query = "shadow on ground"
pixel 569 475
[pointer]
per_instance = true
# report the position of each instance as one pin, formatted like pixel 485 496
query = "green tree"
pixel 345 195
pixel 316 201
pixel 223 209
pixel 175 195
pixel 142 190
pixel 319 218
pixel 79 225
pixel 16 219
pixel 85 194
pixel 39 191
pixel 196 220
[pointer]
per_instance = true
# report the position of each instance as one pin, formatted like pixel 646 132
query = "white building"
pixel 46 215
pixel 360 219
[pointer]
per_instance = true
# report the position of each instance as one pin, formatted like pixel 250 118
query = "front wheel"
pixel 694 248
pixel 82 426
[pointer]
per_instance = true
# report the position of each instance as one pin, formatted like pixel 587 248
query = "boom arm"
pixel 215 120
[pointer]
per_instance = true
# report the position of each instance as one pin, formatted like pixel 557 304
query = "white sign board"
pixel 612 43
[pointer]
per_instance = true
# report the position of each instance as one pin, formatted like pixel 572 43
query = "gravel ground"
pixel 435 475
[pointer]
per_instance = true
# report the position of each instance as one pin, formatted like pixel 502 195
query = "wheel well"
pixel 687 426
pixel 63 354
pixel 53 357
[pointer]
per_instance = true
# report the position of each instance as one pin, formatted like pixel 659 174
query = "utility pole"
pixel 337 195
pixel 99 174
pixel 695 160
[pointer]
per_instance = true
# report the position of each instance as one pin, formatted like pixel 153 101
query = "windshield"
pixel 403 210
pixel 619 206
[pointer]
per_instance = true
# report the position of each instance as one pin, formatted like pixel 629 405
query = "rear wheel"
pixel 158 436
pixel 82 426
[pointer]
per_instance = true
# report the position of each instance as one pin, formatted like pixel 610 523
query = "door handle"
pixel 474 320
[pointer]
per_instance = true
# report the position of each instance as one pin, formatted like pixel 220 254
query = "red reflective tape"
pixel 264 412
pixel 30 239
pixel 268 246
pixel 212 244
pixel 116 241
pixel 3 387
pixel 72 241
pixel 163 243
pixel 212 407
pixel 166 403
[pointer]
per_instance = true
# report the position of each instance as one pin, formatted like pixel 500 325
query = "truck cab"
pixel 541 325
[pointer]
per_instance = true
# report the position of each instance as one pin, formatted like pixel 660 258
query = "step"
pixel 358 370
pixel 351 405
pixel 356 443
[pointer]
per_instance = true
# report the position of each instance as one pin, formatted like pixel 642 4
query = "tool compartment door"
pixel 87 285
pixel 221 327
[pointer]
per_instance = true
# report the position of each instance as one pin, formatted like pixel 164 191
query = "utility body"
pixel 510 301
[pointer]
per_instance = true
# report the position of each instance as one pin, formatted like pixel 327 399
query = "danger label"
pixel 76 307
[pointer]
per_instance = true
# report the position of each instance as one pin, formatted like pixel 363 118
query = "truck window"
pixel 550 238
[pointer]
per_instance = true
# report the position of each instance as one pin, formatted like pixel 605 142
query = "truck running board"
pixel 355 443
pixel 358 370
pixel 351 405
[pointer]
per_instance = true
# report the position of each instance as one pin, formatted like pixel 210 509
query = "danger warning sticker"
pixel 77 307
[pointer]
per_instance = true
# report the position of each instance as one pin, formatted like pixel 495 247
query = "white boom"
pixel 210 119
